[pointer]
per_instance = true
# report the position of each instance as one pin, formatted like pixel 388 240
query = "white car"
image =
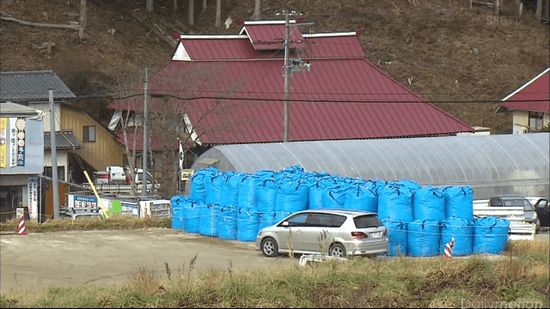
pixel 338 232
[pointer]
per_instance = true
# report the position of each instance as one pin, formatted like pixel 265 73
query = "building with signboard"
pixel 21 158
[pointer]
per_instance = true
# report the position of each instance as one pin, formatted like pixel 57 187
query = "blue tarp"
pixel 266 195
pixel 423 238
pixel 292 196
pixel 459 201
pixel 360 197
pixel 395 203
pixel 490 234
pixel 463 233
pixel 227 222
pixel 429 204
pixel 247 225
pixel 397 234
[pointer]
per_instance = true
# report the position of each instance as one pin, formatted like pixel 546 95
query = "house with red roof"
pixel 529 104
pixel 230 89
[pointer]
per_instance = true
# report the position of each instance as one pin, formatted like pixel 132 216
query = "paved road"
pixel 98 257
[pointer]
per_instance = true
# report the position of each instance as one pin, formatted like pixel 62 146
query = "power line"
pixel 237 98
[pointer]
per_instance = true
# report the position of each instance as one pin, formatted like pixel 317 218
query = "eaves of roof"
pixel 32 85
pixel 64 140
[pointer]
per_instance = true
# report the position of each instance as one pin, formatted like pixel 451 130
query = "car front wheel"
pixel 269 247
pixel 338 250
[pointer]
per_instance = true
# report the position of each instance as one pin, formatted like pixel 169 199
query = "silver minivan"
pixel 336 232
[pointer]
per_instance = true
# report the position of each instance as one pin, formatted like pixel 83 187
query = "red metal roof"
pixel 238 47
pixel 270 36
pixel 234 97
pixel 337 99
pixel 529 96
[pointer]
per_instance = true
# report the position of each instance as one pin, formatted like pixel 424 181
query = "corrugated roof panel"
pixel 63 140
pixel 346 104
pixel 536 89
pixel 32 85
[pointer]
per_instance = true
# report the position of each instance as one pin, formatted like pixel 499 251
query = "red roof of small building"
pixel 532 96
pixel 271 36
pixel 234 97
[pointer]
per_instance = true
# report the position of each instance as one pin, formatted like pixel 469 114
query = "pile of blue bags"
pixel 420 220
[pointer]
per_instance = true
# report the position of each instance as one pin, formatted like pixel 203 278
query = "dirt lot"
pixel 99 257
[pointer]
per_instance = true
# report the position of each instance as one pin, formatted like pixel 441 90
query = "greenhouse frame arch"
pixel 490 164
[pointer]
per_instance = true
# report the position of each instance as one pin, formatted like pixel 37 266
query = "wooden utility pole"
pixel 145 137
pixel 287 76
pixel 53 158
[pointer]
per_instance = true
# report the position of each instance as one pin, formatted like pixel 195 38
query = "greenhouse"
pixel 491 164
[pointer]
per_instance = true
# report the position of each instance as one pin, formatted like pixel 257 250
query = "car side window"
pixel 337 220
pixel 495 202
pixel 318 220
pixel 297 220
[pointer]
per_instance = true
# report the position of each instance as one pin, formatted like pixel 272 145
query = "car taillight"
pixel 359 235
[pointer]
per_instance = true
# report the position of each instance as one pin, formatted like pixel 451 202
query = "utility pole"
pixel 53 158
pixel 145 139
pixel 287 76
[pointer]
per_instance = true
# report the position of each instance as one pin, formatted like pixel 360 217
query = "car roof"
pixel 339 211
pixel 510 196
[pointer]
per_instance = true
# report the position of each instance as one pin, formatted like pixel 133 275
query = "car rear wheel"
pixel 338 250
pixel 269 247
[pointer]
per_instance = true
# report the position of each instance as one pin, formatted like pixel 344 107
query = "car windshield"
pixel 367 221
pixel 519 203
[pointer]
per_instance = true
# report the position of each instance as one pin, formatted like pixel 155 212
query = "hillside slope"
pixel 443 50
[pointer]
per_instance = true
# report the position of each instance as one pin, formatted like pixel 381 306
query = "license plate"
pixel 376 235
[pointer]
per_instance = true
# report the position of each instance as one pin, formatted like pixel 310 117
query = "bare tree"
pixel 218 22
pixel 204 5
pixel 257 15
pixel 149 5
pixel 191 12
pixel 175 95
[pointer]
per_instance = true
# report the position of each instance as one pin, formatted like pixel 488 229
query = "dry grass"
pixel 145 280
pixel 397 282
pixel 115 222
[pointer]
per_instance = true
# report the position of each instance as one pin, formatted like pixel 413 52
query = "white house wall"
pixel 521 121
pixel 45 107
pixel 62 160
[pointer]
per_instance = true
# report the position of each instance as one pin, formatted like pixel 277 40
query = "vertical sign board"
pixel 21 124
pixel 3 142
pixel 13 142
pixel 32 196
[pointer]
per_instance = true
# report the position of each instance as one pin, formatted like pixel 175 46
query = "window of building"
pixel 536 120
pixel 88 133
pixel 60 172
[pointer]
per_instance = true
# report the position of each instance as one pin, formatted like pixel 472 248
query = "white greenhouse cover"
pixel 491 164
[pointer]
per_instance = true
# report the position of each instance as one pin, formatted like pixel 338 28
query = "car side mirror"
pixel 285 223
